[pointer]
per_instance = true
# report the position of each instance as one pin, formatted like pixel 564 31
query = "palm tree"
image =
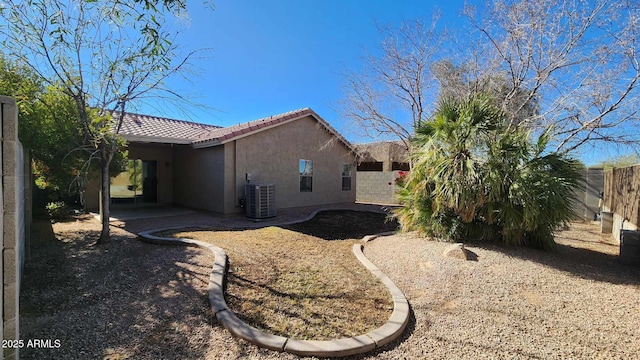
pixel 476 178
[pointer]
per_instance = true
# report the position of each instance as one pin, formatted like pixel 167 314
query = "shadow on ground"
pixel 345 224
pixel 582 256
pixel 126 299
pixel 130 299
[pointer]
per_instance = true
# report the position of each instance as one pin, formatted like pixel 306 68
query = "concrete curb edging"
pixel 391 330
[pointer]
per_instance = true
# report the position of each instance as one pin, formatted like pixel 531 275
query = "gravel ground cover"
pixel 576 303
pixel 140 301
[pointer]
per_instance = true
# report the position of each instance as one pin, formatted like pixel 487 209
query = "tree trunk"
pixel 105 208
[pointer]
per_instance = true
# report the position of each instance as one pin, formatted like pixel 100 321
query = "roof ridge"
pixel 207 135
pixel 280 115
pixel 270 117
pixel 379 142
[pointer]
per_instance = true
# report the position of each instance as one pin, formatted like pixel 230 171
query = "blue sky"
pixel 268 57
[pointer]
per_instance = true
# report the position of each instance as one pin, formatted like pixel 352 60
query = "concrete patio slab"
pixel 125 214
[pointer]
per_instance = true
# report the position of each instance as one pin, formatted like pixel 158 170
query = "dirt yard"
pixel 140 301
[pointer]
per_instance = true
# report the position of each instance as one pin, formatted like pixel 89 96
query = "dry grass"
pixel 298 285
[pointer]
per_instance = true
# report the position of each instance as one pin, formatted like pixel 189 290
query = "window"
pixel 370 166
pixel 306 175
pixel 346 176
pixel 403 166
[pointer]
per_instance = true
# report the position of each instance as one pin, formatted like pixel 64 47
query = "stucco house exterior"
pixel 206 167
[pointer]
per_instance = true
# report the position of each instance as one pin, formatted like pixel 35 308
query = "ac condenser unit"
pixel 630 247
pixel 260 200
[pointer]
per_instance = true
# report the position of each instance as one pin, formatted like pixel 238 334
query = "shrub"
pixel 58 210
pixel 476 177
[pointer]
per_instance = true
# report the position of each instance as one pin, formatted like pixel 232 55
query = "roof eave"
pixel 205 144
pixel 155 139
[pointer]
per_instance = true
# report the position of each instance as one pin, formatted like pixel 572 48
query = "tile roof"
pixel 137 127
pixel 223 135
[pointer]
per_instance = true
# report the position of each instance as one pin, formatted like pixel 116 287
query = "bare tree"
pixel 578 59
pixel 571 65
pixel 106 55
pixel 465 81
pixel 393 93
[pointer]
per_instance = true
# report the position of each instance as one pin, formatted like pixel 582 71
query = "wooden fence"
pixel 622 193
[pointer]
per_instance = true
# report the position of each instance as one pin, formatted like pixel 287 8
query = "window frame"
pixel 305 171
pixel 349 170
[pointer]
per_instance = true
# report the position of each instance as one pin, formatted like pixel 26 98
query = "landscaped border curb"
pixel 391 330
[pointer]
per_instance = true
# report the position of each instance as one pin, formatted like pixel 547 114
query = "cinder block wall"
pixel 376 187
pixel 13 224
pixel 379 187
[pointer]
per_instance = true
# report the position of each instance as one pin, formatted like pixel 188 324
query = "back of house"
pixel 206 167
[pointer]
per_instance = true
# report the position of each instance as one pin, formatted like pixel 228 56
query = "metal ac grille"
pixel 260 200
pixel 630 247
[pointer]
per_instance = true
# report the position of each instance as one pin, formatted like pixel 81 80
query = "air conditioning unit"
pixel 630 247
pixel 260 201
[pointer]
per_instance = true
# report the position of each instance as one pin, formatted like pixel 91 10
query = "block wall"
pixel 377 187
pixel 13 223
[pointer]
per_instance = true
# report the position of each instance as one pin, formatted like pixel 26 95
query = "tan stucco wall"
pixel 198 179
pixel 273 155
pixel 231 198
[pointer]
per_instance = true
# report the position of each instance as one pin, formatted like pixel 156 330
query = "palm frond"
pixel 473 176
